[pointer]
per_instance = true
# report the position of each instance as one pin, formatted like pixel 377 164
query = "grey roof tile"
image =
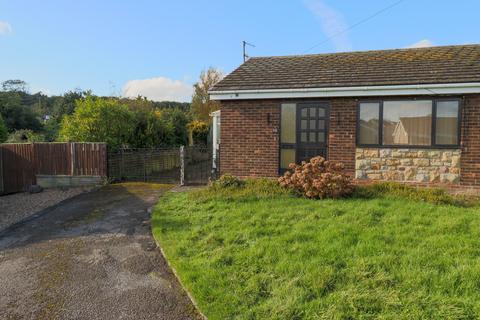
pixel 448 64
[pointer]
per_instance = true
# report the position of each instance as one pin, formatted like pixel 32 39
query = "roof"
pixel 433 65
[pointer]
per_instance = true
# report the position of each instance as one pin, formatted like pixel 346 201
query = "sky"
pixel 158 48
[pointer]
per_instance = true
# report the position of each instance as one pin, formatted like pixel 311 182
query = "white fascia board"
pixel 394 90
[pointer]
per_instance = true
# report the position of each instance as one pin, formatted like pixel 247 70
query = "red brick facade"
pixel 470 161
pixel 250 134
pixel 342 131
pixel 249 139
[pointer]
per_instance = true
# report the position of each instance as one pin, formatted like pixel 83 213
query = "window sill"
pixel 407 147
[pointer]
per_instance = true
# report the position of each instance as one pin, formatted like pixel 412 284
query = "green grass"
pixel 258 252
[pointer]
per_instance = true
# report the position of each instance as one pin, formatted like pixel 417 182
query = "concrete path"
pixel 91 257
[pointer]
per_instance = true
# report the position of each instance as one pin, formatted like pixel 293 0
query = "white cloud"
pixel 5 27
pixel 422 44
pixel 333 23
pixel 159 89
pixel 47 92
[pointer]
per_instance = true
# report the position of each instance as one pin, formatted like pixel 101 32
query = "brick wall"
pixel 342 132
pixel 249 138
pixel 470 161
pixel 249 143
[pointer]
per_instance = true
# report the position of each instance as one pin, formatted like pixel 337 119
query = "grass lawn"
pixel 254 253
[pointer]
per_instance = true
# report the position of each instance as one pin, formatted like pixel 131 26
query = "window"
pixel 409 123
pixel 288 134
pixel 369 123
pixel 447 122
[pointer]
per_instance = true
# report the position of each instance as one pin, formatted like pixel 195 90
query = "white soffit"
pixel 394 90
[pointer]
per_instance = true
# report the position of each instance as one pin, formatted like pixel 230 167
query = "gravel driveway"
pixel 18 206
pixel 91 257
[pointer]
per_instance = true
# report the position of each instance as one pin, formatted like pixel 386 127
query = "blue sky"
pixel 158 48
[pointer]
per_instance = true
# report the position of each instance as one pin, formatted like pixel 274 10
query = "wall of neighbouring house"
pixel 250 145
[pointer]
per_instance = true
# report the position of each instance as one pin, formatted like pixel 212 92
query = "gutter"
pixel 364 91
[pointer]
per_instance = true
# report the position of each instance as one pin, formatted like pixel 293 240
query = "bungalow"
pixel 409 115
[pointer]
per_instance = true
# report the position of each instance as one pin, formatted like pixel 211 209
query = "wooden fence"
pixel 20 163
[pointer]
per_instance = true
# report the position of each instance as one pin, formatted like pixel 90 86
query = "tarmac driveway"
pixel 90 257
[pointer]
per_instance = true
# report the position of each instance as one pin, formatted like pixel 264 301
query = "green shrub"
pixel 98 120
pixel 398 190
pixel 318 179
pixel 227 181
pixel 231 188
pixel 3 130
pixel 25 135
pixel 199 131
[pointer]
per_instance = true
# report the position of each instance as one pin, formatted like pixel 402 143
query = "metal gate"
pixel 198 165
pixel 177 165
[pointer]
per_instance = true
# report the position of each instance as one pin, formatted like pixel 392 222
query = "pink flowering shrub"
pixel 318 179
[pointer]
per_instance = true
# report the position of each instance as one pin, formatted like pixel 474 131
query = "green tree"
pixel 199 131
pixel 151 130
pixel 25 135
pixel 201 103
pixel 15 85
pixel 98 120
pixel 15 114
pixel 65 105
pixel 51 129
pixel 177 120
pixel 3 131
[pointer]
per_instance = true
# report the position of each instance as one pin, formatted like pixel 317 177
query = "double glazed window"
pixel 288 134
pixel 409 123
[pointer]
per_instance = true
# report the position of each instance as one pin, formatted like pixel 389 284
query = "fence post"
pixel 121 163
pixel 34 164
pixel 145 166
pixel 182 165
pixel 72 158
pixel 1 170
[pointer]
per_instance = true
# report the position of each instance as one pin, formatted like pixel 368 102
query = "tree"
pixel 15 85
pixel 65 105
pixel 3 131
pixel 50 130
pixel 178 121
pixel 16 115
pixel 98 120
pixel 150 130
pixel 25 135
pixel 198 131
pixel 201 103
